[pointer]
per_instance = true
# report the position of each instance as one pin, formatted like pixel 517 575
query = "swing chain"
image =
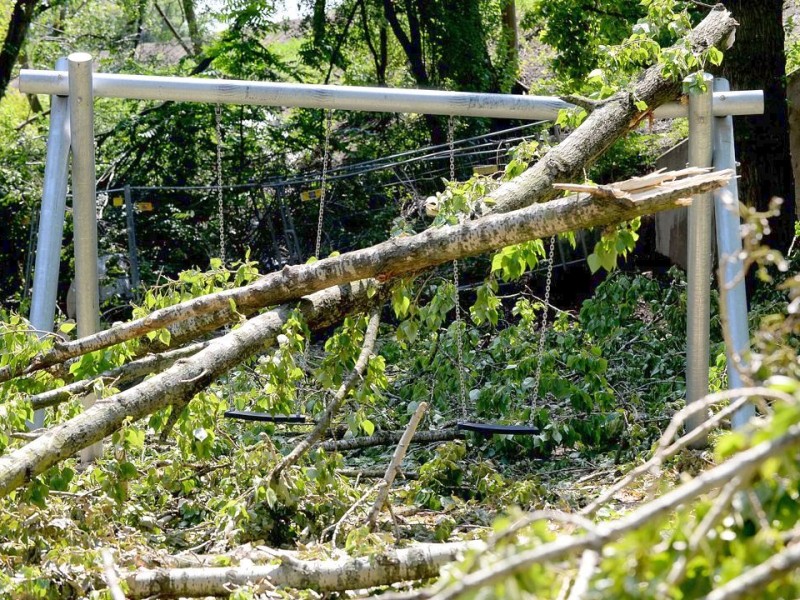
pixel 221 213
pixel 451 147
pixel 323 182
pixel 462 385
pixel 537 378
pixel 220 200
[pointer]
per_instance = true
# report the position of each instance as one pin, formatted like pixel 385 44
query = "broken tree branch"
pixel 757 578
pixel 110 575
pixel 181 381
pixel 666 448
pixel 370 335
pixel 120 375
pixel 742 465
pixel 606 124
pixel 347 573
pixel 392 258
pixel 394 465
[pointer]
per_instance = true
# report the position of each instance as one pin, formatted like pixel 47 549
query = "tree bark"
pixel 379 55
pixel 21 17
pixel 757 61
pixel 177 384
pixel 120 375
pixel 394 465
pixel 392 258
pixel 406 564
pixel 411 44
pixel 191 24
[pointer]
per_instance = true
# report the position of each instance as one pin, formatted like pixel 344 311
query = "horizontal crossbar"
pixel 339 97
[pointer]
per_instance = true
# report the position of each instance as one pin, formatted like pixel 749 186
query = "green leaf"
pixel 134 438
pixel 368 426
pixel 127 470
pixel 594 263
pixel 272 498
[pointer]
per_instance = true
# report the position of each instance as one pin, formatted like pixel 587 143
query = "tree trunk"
pixel 191 24
pixel 508 65
pixel 757 61
pixel 188 376
pixel 412 47
pixel 21 17
pixel 395 257
pixel 390 566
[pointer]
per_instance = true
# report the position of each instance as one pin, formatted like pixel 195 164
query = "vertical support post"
pixel 51 220
pixel 133 255
pixel 701 123
pixel 729 249
pixel 84 209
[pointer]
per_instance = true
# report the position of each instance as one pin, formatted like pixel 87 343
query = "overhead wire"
pixel 427 153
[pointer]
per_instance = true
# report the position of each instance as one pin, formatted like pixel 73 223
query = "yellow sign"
pixel 307 195
pixel 117 201
pixel 144 206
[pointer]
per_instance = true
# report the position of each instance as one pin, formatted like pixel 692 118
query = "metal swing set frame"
pixel 73 87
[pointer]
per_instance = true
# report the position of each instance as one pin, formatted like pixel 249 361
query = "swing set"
pixel 464 424
pixel 73 87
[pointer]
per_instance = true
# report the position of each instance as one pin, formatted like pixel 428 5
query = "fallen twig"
pixel 666 449
pixel 110 575
pixel 391 471
pixel 370 335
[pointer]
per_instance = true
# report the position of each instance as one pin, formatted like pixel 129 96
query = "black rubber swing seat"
pixel 488 429
pixel 246 415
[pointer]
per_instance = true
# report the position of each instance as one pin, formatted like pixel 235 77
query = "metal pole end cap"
pixel 80 57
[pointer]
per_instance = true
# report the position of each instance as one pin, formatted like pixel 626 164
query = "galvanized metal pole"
pixel 729 250
pixel 701 123
pixel 339 97
pixel 84 209
pixel 51 221
pixel 133 255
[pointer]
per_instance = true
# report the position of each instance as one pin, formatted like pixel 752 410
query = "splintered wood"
pixel 629 192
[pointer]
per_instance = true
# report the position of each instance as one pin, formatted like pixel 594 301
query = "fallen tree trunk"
pixel 388 438
pixel 376 474
pixel 606 124
pixel 406 564
pixel 317 576
pixel 179 383
pixel 395 257
pixel 128 372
